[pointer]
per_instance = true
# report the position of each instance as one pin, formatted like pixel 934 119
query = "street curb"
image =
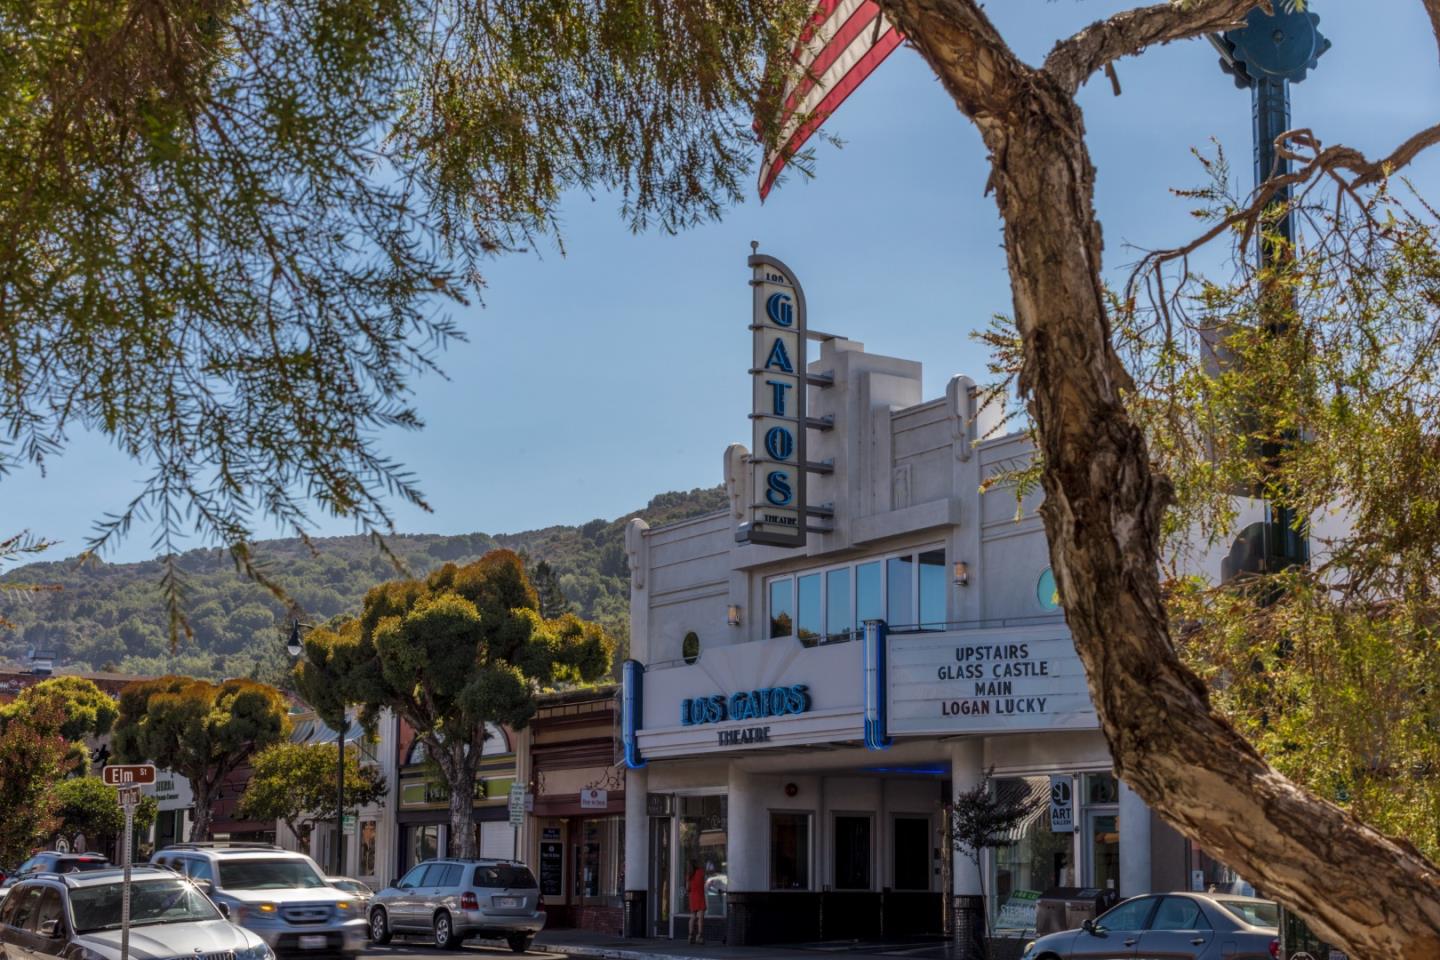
pixel 611 953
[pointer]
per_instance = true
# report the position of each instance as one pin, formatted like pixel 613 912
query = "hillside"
pixel 111 616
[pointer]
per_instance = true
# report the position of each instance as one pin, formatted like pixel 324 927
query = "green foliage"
pixel 111 616
pixel 465 647
pixel 87 711
pixel 198 729
pixel 86 805
pixel 295 782
pixel 32 760
pixel 547 587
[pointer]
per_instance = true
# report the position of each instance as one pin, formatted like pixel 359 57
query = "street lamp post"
pixel 294 647
pixel 1268 54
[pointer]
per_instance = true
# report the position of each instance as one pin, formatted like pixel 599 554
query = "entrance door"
pixel 912 853
pixel 1102 840
pixel 659 907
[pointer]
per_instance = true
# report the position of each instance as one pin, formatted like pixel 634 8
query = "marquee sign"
pixel 777 372
pixel 986 681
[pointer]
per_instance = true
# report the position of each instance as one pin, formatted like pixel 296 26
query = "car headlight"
pixel 260 951
pixel 1029 951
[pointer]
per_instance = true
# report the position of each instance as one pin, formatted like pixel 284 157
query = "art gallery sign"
pixel 986 681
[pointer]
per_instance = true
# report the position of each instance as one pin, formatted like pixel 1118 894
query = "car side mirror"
pixel 1088 926
pixel 50 928
pixel 224 909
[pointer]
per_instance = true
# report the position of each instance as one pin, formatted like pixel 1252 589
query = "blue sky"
pixel 595 379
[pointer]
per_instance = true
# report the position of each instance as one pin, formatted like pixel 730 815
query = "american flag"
pixel 843 43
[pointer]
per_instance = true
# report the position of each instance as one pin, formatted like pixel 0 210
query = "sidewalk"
pixel 599 946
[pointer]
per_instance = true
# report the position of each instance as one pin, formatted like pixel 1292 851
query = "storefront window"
pixel 367 848
pixel 1036 858
pixel 809 622
pixel 899 582
pixel 782 609
pixel 703 842
pixel 837 604
pixel 601 861
pixel 1101 788
pixel 932 589
pixel 789 851
pixel 852 852
pixel 1104 837
pixel 423 842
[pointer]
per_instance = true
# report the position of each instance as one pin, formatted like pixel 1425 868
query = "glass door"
pixel 659 876
pixel 1102 841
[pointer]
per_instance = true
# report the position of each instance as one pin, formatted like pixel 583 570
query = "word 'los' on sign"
pixel 129 774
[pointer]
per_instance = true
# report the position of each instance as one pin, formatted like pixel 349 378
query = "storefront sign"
pixel 984 681
pixel 1062 805
pixel 746 705
pixel 777 373
pixel 552 862
pixel 593 799
pixel 744 736
pixel 1018 911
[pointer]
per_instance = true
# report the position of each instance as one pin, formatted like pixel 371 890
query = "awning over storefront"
pixel 315 730
pixel 1032 791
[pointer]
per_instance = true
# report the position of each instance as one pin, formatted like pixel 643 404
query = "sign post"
pixel 128 778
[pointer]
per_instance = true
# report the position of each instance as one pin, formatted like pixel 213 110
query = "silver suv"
pixel 277 894
pixel 455 899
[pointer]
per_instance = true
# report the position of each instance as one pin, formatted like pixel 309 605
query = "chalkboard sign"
pixel 552 861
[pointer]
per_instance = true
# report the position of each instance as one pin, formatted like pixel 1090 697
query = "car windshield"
pixel 268 875
pixel 353 886
pixel 151 901
pixel 1257 913
pixel 503 876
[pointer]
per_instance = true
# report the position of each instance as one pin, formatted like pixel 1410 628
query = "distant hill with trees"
pixel 111 616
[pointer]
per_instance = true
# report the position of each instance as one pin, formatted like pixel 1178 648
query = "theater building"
pixel 821 669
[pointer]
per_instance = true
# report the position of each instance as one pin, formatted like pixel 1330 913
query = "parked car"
pixel 53 861
pixel 1178 926
pixel 78 915
pixel 360 891
pixel 277 894
pixel 452 900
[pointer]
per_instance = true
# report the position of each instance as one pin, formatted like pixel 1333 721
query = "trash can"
pixel 1066 908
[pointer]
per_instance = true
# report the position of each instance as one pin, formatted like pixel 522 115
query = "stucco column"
pixel 745 853
pixel 637 852
pixel 967 769
pixel 1134 843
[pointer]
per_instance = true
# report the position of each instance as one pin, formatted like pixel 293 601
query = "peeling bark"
pixel 1375 896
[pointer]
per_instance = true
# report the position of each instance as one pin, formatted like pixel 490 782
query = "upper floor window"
pixel 907 590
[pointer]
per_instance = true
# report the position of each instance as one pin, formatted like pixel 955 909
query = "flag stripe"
pixel 848 68
pixel 861 18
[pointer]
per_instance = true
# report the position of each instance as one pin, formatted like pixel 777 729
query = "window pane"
pixel 1130 915
pixel 899 587
pixel 807 590
pixel 789 851
pixel 1179 913
pixel 852 853
pixel 932 590
pixel 782 609
pixel 869 603
pixel 837 604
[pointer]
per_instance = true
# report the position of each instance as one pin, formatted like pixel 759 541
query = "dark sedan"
pixel 1177 926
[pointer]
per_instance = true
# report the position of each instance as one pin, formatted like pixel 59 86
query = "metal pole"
pixel 125 885
pixel 340 802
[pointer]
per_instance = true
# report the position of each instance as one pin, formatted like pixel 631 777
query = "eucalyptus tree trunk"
pixel 1377 897
pixel 459 771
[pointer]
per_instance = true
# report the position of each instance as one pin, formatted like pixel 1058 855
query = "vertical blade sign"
pixel 777 455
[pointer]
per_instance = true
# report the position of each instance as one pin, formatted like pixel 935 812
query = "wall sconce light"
pixel 962 574
pixel 732 615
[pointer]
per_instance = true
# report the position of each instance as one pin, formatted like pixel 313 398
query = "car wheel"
pixel 519 942
pixel 379 927
pixel 445 937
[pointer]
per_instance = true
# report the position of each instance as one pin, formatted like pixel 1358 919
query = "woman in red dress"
pixel 695 888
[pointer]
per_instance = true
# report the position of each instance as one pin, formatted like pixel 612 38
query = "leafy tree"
pixel 86 805
pixel 32 760
pixel 464 647
pixel 547 589
pixel 85 710
pixel 295 783
pixel 198 729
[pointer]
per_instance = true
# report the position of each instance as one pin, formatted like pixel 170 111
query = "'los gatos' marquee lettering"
pixel 746 705
pixel 777 369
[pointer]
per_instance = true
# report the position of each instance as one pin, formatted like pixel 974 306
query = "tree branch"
pixel 1073 61
pixel 1432 7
